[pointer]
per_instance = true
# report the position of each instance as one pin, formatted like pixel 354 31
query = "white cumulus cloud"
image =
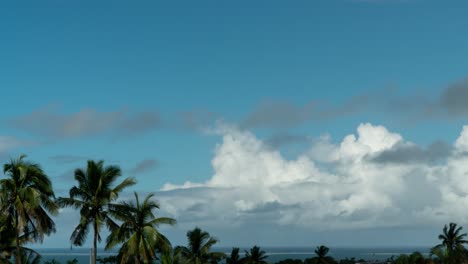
pixel 331 185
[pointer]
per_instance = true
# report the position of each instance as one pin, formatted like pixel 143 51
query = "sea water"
pixel 274 254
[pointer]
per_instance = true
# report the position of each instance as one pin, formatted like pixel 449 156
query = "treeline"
pixel 28 200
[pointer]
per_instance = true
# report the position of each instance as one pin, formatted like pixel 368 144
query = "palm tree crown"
pixel 234 258
pixel 27 198
pixel 138 231
pixel 94 193
pixel 451 247
pixel 255 256
pixel 321 257
pixel 451 237
pixel 321 251
pixel 199 246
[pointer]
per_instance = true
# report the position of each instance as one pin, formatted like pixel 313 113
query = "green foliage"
pixel 53 261
pixel 451 250
pixel 234 257
pixel 413 258
pixel 27 199
pixel 198 249
pixel 255 256
pixel 351 261
pixel 321 257
pixel 72 261
pixel 93 195
pixel 7 235
pixel 108 260
pixel 138 231
pixel 291 261
pixel 29 256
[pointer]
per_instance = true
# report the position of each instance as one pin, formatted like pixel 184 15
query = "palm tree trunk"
pixel 137 259
pixel 94 243
pixel 18 248
pixel 18 253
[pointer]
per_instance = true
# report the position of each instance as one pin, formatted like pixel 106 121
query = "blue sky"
pixel 159 88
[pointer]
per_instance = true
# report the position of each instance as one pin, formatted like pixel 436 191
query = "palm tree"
pixel 199 246
pixel 27 198
pixel 255 256
pixel 7 237
pixel 321 257
pixel 451 248
pixel 8 244
pixel 93 195
pixel 30 257
pixel 138 231
pixel 234 258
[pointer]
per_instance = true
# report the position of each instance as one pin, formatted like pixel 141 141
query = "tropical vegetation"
pixel 95 193
pixel 138 232
pixel 255 256
pixel 321 256
pixel 28 199
pixel 198 250
pixel 28 202
pixel 451 249
pixel 234 257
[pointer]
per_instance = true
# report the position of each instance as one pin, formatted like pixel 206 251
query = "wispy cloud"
pixel 285 115
pixel 283 139
pixel 144 166
pixel 194 120
pixel 67 159
pixel 9 142
pixel 278 114
pixel 450 103
pixel 51 122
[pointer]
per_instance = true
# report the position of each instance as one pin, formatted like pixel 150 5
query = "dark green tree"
pixel 234 257
pixel 413 258
pixel 321 256
pixel 108 260
pixel 451 250
pixel 292 261
pixel 139 230
pixel 27 199
pixel 351 261
pixel 30 256
pixel 52 261
pixel 96 190
pixel 255 256
pixel 198 250
pixel 72 261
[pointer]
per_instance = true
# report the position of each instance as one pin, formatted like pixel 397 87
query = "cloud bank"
pixel 374 178
pixel 51 123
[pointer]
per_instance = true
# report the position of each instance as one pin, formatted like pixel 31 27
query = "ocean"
pixel 274 253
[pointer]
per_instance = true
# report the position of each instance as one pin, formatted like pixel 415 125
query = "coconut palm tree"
pixel 234 258
pixel 8 247
pixel 321 257
pixel 255 256
pixel 28 199
pixel 7 237
pixel 96 190
pixel 138 231
pixel 198 249
pixel 30 256
pixel 451 247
